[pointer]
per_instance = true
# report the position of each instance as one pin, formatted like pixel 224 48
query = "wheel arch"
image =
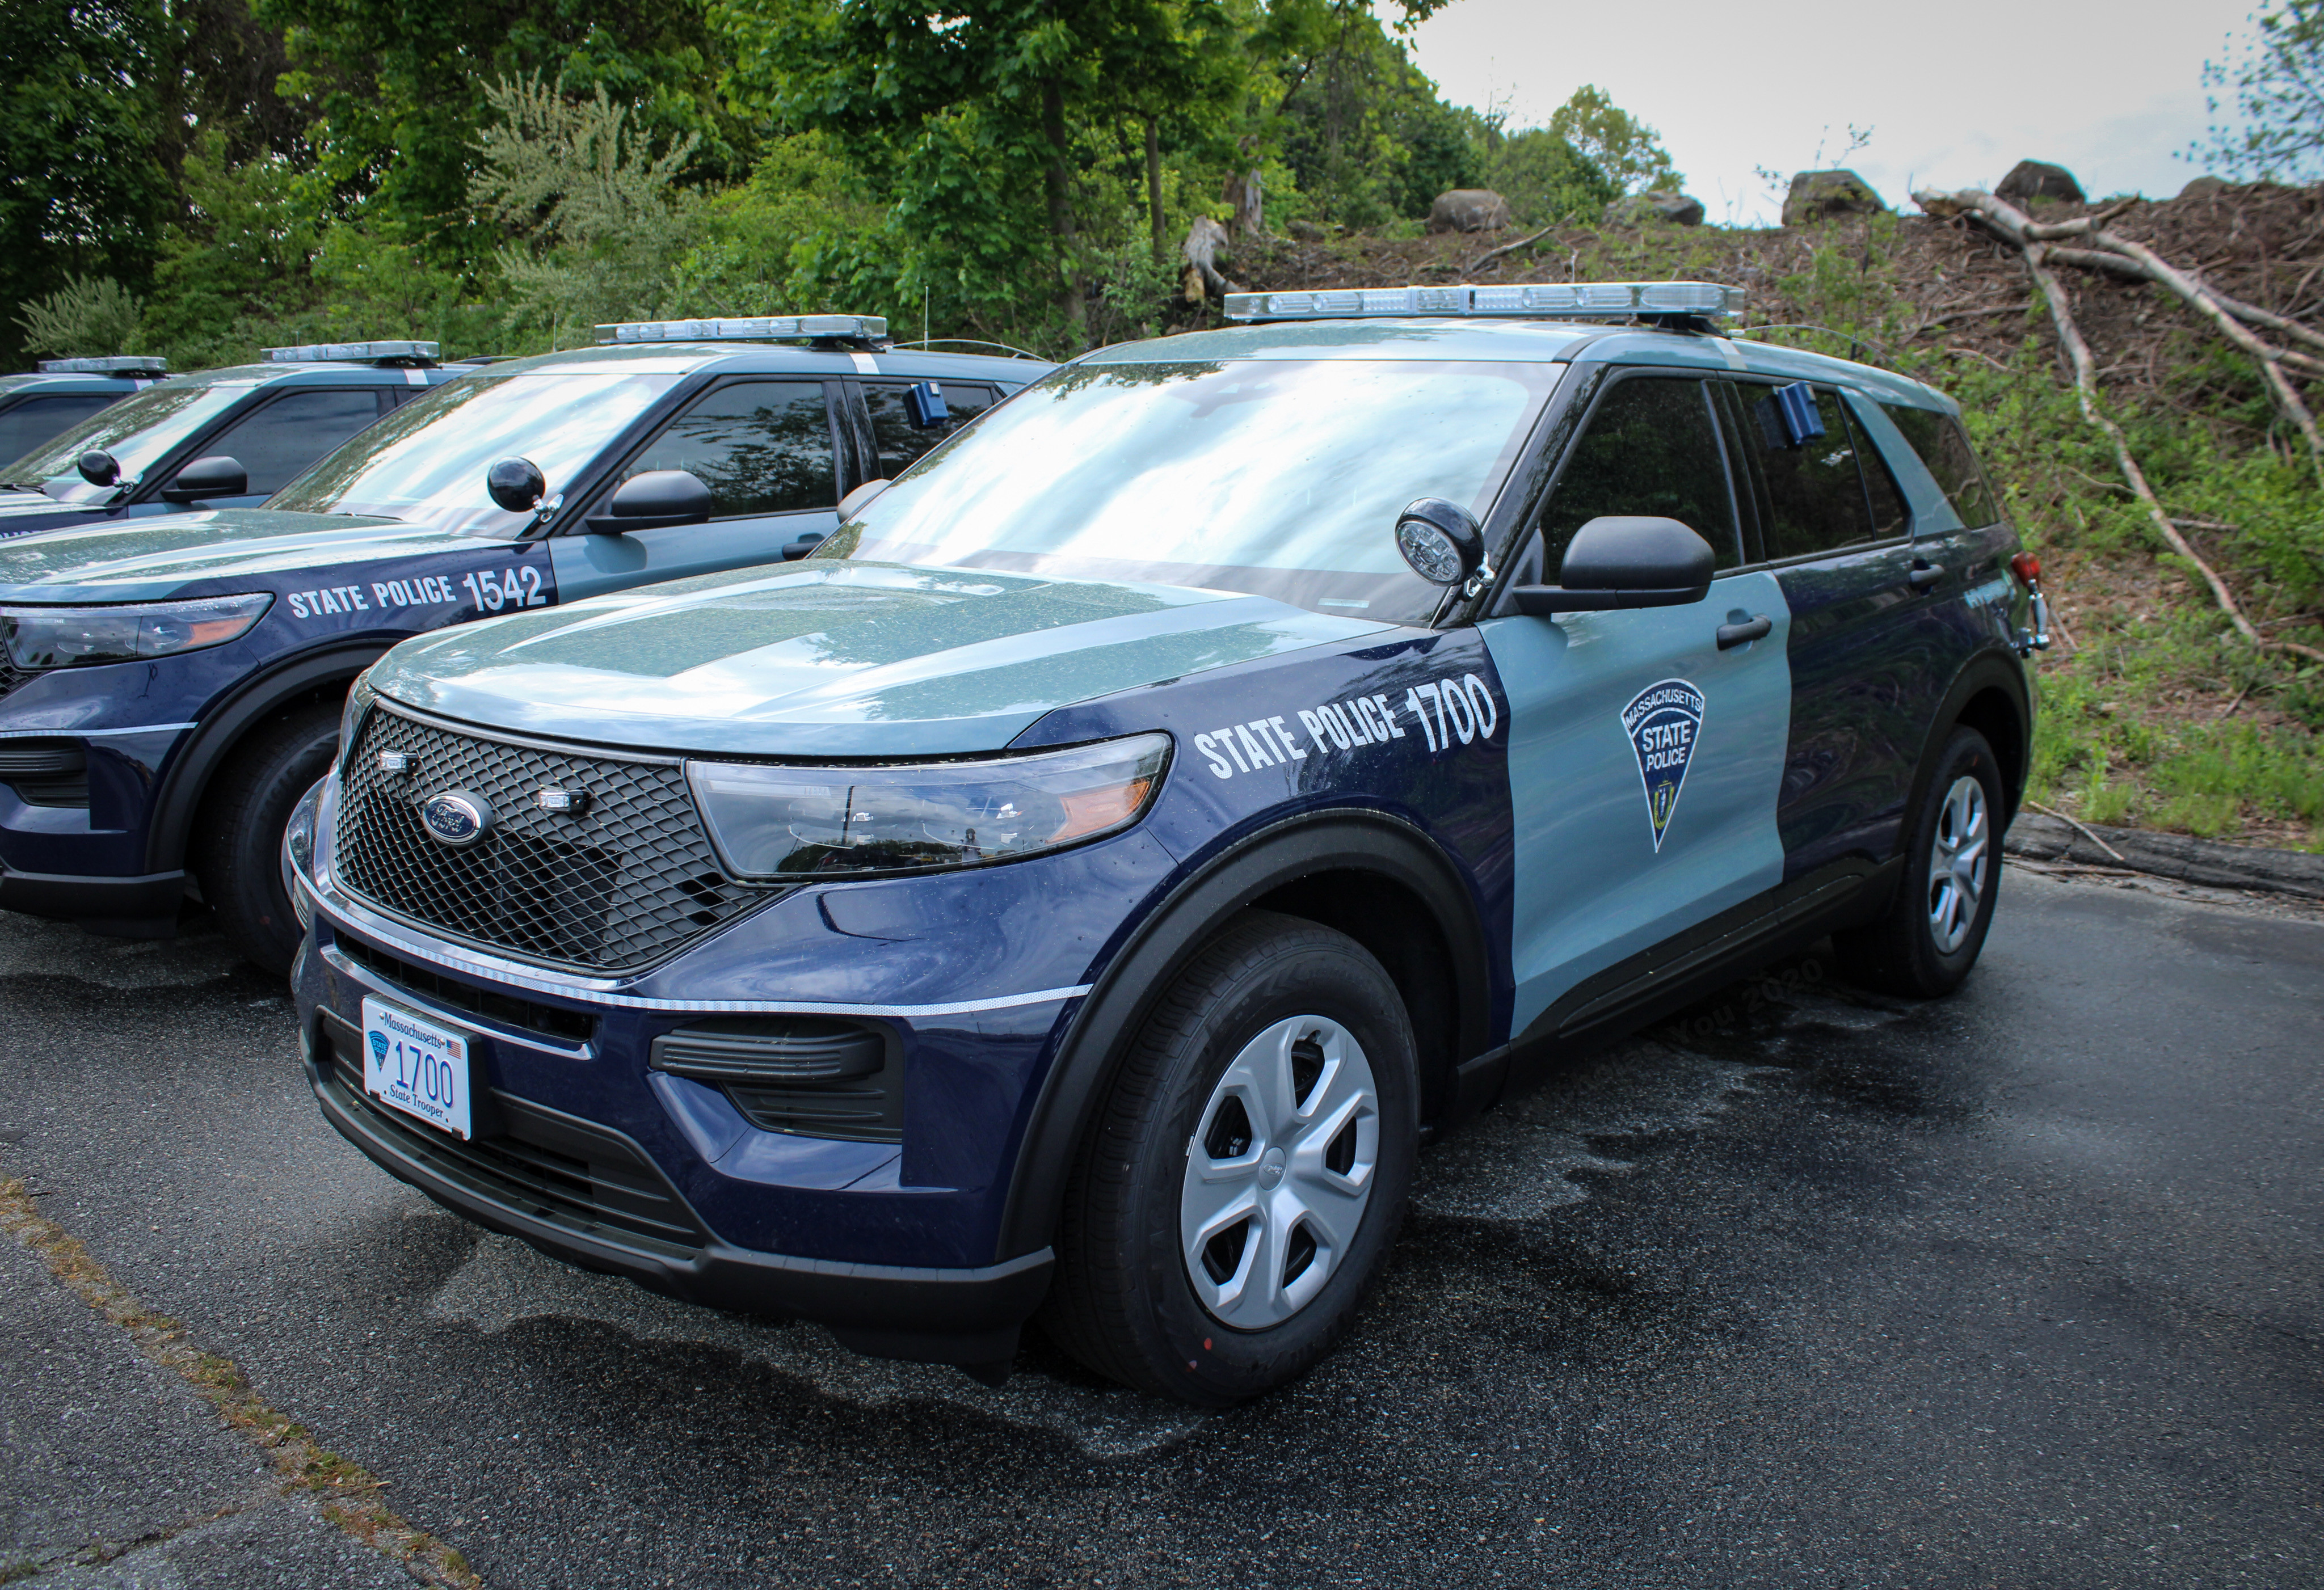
pixel 1375 878
pixel 1989 696
pixel 309 676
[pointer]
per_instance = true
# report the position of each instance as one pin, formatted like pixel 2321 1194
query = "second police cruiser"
pixel 169 686
pixel 1071 890
pixel 215 438
pixel 37 407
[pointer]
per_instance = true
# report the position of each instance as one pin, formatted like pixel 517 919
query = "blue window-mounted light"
pixel 1795 411
pixel 924 402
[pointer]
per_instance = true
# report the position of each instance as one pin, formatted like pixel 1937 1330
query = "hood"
pixel 18 508
pixel 829 658
pixel 200 554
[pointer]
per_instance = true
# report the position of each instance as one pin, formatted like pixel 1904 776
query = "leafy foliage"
pixel 89 316
pixel 2277 83
pixel 1626 152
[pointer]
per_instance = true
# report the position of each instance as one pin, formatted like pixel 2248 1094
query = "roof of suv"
pixel 746 357
pixel 1524 341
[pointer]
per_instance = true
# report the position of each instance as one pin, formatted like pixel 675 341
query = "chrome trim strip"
pixel 90 733
pixel 371 982
pixel 332 903
pixel 383 701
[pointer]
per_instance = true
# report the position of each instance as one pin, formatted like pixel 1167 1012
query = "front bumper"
pixel 591 1156
pixel 591 1197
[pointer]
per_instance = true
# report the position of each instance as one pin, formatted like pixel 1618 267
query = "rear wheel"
pixel 1933 931
pixel 237 849
pixel 1238 1197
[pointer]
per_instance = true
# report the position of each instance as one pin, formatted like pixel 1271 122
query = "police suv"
pixel 1072 890
pixel 217 438
pixel 169 686
pixel 64 392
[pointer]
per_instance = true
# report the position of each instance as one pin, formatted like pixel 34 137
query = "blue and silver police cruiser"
pixel 35 408
pixel 217 438
pixel 1074 889
pixel 168 687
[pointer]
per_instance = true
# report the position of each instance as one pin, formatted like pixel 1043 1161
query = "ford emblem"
pixel 456 818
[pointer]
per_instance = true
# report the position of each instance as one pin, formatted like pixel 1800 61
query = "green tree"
pixel 1544 177
pixel 79 121
pixel 1003 132
pixel 395 91
pixel 2277 81
pixel 1625 149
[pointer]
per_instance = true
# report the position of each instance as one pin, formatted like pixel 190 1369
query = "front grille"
pixel 11 675
pixel 623 881
pixel 569 1026
pixel 539 1162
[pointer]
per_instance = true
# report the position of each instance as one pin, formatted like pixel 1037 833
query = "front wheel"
pixel 1239 1196
pixel 1932 932
pixel 238 835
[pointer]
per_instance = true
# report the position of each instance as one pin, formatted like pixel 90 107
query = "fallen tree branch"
pixel 2061 315
pixel 2077 827
pixel 1473 266
pixel 2127 256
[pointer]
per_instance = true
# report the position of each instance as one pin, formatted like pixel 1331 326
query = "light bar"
pixel 1540 301
pixel 341 353
pixel 125 364
pixel 746 329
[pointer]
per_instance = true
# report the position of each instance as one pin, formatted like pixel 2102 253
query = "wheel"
pixel 238 834
pixel 1240 1189
pixel 1933 930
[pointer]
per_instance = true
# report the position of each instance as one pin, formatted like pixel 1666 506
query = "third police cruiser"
pixel 169 686
pixel 1069 893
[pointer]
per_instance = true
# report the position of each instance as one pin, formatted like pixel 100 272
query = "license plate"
pixel 415 1066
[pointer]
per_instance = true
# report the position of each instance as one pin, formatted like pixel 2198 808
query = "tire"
pixel 238 832
pixel 1201 1124
pixel 1931 933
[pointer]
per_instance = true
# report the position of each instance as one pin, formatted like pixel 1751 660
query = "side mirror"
pixel 1440 540
pixel 651 500
pixel 216 476
pixel 860 499
pixel 97 468
pixel 516 485
pixel 1619 563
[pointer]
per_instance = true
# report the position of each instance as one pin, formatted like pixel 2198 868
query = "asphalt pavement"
pixel 1803 1288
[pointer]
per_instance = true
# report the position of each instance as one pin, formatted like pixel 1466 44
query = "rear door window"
pixel 761 446
pixel 279 440
pixel 899 442
pixel 1816 498
pixel 1944 449
pixel 1650 449
pixel 35 419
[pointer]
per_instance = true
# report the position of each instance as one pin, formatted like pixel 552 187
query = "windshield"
pixel 426 462
pixel 137 431
pixel 1276 479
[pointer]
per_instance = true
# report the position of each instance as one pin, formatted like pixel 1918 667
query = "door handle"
pixel 1734 635
pixel 1925 574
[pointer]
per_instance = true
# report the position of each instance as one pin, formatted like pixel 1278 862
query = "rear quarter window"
pixel 1944 450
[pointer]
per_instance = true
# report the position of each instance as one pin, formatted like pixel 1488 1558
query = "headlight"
pixel 799 822
pixel 120 632
pixel 359 697
pixel 298 854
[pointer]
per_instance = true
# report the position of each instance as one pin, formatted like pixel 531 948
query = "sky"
pixel 1953 93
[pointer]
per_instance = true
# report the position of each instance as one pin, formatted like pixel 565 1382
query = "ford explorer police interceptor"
pixel 1069 892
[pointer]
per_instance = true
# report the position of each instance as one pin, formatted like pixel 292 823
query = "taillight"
pixel 2026 567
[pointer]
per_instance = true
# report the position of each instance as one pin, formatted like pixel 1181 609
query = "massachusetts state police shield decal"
pixel 1662 721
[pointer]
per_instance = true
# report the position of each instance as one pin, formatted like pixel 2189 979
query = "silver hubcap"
pixel 1278 1172
pixel 1957 865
